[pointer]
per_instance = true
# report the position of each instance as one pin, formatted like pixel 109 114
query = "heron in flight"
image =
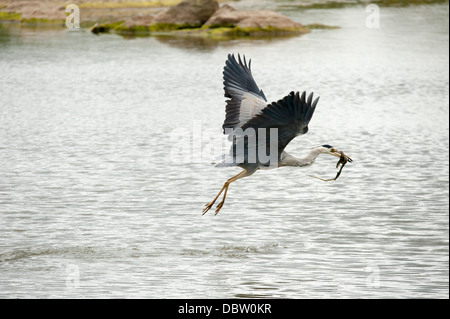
pixel 249 117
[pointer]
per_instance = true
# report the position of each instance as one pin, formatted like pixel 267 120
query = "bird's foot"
pixel 219 206
pixel 207 207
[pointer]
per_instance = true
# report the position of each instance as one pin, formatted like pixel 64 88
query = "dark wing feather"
pixel 239 85
pixel 290 115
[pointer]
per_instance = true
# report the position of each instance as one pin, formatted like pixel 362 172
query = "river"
pixel 106 144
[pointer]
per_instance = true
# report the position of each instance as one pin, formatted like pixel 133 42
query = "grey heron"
pixel 247 110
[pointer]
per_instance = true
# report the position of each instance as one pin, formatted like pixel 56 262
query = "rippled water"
pixel 93 203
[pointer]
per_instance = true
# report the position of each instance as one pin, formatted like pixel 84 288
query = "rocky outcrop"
pixel 205 18
pixel 227 16
pixel 35 10
pixel 188 13
pixel 142 20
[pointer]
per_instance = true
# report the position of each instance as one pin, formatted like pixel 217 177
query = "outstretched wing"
pixel 245 98
pixel 290 115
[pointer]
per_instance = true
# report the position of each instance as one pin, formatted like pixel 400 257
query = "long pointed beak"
pixel 337 154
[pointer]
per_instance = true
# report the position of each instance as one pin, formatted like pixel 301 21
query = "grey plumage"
pixel 238 84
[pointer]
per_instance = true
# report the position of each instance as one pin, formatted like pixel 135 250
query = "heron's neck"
pixel 289 160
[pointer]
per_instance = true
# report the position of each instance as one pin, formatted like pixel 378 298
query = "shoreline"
pixel 120 16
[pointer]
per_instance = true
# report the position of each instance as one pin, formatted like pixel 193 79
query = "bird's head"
pixel 328 149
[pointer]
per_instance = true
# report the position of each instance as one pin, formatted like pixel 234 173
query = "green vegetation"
pixel 315 26
pixel 128 4
pixel 222 32
pixel 106 27
pixel 120 28
pixel 9 16
pixel 43 21
pixel 14 16
pixel 157 27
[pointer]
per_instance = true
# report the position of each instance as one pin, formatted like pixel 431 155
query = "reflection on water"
pixel 93 205
pixel 208 43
